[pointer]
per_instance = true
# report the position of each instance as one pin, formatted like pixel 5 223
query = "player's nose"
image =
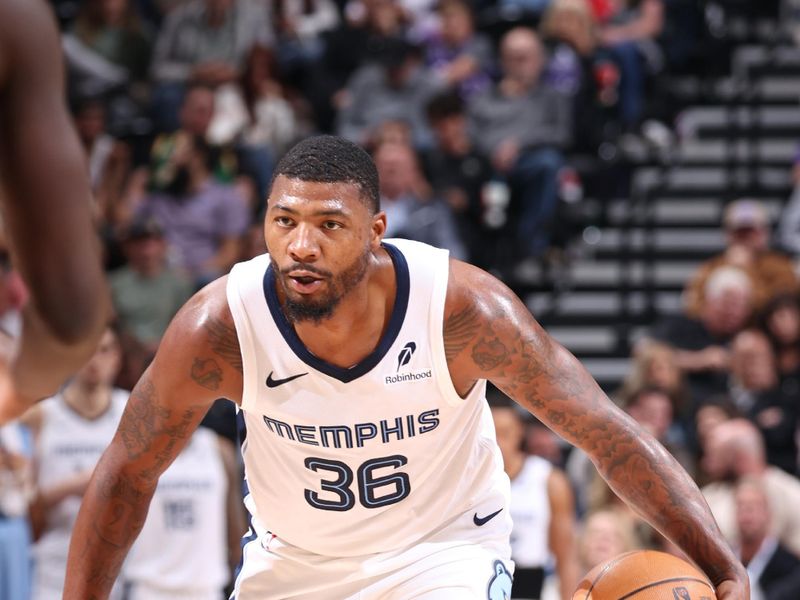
pixel 303 246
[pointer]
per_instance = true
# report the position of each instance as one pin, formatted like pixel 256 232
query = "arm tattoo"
pixel 459 330
pixel 207 373
pixel 123 497
pixel 149 427
pixel 489 354
pixel 136 428
pixel 549 382
pixel 224 342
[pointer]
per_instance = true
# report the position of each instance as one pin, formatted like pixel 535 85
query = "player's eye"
pixel 284 221
pixel 331 225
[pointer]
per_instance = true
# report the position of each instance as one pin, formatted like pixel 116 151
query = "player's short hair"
pixel 331 159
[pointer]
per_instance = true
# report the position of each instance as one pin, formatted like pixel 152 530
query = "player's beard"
pixel 321 306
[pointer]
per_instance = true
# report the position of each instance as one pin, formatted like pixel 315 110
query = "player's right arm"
pixel 197 362
pixel 46 198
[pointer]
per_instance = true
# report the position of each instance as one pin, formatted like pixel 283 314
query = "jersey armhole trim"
pixel 438 300
pixel 246 347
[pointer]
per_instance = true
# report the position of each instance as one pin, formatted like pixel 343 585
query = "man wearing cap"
pixel 747 235
pixel 146 293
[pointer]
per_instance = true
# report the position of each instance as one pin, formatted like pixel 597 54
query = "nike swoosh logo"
pixel 271 383
pixel 479 521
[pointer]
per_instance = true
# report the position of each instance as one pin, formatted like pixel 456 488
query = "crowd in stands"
pixel 480 115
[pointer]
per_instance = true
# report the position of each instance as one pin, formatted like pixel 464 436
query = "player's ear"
pixel 378 228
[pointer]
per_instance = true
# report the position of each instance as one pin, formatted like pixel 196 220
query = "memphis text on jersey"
pixel 358 435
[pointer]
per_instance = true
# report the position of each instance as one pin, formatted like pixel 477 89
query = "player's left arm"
pixel 490 334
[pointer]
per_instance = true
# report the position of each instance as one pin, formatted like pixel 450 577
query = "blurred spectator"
pixel 405 197
pixel 396 86
pixel 368 27
pixel 701 344
pixel 189 545
pixel 146 294
pixel 530 156
pixel 653 408
pixel 789 223
pixel 540 440
pixel 203 220
pixel 629 31
pixel 604 535
pixel 254 244
pixel 735 449
pixel 456 54
pixel 542 508
pixel 461 176
pixel 581 71
pixel 15 489
pixel 299 25
pixel 196 114
pixel 16 474
pixel 257 116
pixel 713 411
pixel 780 320
pixel 109 161
pixel 768 562
pixel 71 431
pixel 422 16
pixel 107 49
pixel 747 238
pixel 525 9
pixel 655 365
pixel 757 394
pixel 204 41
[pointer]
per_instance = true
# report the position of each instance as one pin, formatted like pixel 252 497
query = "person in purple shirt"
pixel 203 220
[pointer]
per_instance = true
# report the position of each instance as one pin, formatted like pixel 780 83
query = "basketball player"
pixel 45 199
pixel 70 432
pixel 193 526
pixel 360 367
pixel 542 508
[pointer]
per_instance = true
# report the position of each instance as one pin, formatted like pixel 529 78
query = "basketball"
pixel 644 575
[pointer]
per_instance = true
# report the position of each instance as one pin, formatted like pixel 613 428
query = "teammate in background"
pixel 542 509
pixel 189 545
pixel 45 198
pixel 360 368
pixel 70 432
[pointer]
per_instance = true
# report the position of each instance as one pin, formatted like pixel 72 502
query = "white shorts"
pixel 459 561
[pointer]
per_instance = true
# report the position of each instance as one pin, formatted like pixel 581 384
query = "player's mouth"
pixel 304 282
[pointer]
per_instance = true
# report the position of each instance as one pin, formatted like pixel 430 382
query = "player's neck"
pixel 358 323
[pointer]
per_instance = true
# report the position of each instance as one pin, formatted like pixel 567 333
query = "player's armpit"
pixel 491 335
pixel 194 365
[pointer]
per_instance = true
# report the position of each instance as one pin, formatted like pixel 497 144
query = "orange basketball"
pixel 645 575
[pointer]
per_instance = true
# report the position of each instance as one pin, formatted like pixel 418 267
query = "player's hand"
pixel 12 403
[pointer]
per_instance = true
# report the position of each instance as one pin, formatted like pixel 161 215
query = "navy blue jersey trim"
pixel 250 533
pixel 345 375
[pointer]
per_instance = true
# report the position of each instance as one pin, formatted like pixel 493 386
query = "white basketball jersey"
pixel 371 458
pixel 183 544
pixel 67 444
pixel 530 511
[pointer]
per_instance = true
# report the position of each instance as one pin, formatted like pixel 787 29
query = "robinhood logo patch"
pixel 403 359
